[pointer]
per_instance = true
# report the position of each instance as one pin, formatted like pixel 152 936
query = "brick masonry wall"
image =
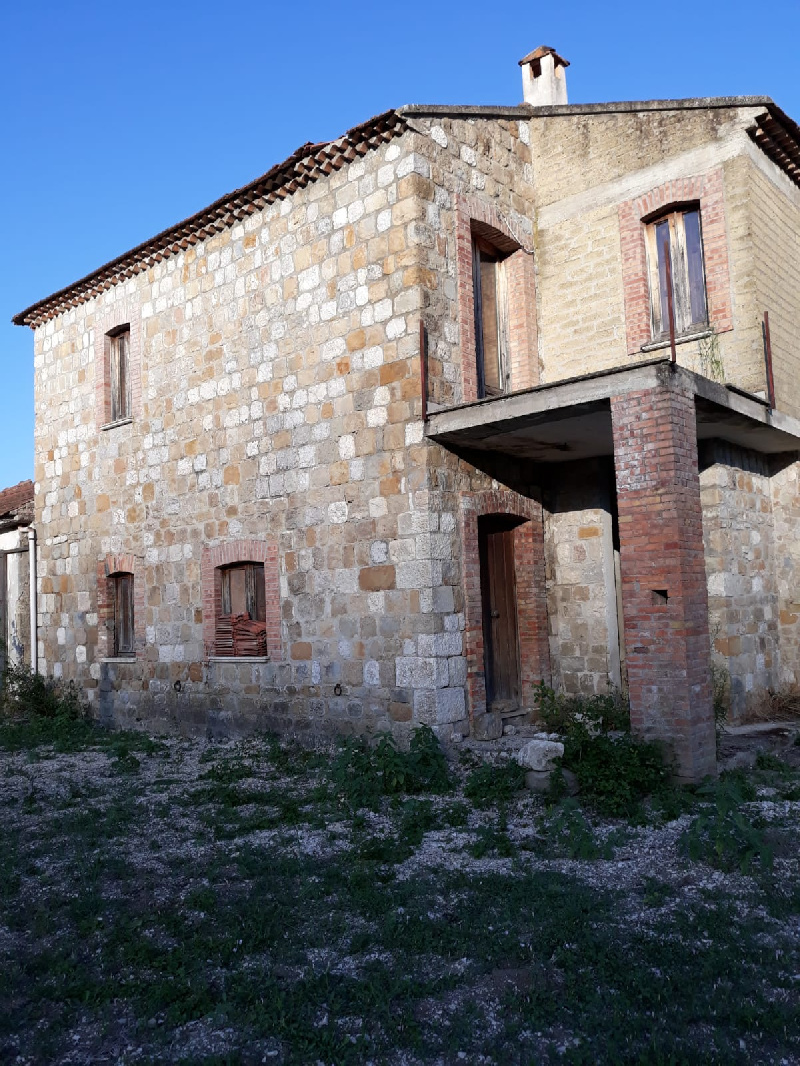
pixel 663 574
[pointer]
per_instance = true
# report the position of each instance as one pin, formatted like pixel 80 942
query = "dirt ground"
pixel 172 901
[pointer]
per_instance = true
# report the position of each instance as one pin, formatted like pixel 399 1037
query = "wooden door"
pixel 500 634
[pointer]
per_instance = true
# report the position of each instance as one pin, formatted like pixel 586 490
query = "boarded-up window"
pixel 491 317
pixel 677 238
pixel 119 374
pixel 122 596
pixel 241 628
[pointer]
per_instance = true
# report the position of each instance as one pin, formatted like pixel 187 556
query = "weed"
pixel 724 834
pixel 494 840
pixel 655 893
pixel 456 815
pixel 28 694
pixel 488 785
pixel 362 774
pixel 615 773
pixel 567 715
pixel 569 835
pixel 765 760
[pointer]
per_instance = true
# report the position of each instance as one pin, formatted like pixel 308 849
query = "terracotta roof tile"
pixel 14 499
pixel 307 164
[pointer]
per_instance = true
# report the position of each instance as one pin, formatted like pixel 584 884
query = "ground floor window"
pixel 241 624
pixel 122 603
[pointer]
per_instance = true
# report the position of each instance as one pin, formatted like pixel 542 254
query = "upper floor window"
pixel 122 606
pixel 491 318
pixel 119 373
pixel 677 238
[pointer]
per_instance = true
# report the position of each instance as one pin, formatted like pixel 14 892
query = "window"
pixel 119 373
pixel 241 628
pixel 491 318
pixel 122 606
pixel 677 238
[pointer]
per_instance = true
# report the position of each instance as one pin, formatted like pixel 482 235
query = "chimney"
pixel 544 79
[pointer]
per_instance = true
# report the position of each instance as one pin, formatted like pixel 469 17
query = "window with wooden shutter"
pixel 119 374
pixel 122 595
pixel 677 238
pixel 491 318
pixel 241 628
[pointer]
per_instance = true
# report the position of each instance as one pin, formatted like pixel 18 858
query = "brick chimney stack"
pixel 544 79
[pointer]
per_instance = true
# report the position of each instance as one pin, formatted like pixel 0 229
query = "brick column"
pixel 664 597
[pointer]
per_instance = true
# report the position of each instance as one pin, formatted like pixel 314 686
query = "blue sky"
pixel 117 120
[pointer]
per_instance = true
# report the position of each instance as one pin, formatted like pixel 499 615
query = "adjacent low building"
pixel 467 398
pixel 17 575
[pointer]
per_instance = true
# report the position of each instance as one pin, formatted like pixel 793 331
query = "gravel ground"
pixel 175 901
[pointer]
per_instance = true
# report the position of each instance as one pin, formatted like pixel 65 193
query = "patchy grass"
pixel 172 902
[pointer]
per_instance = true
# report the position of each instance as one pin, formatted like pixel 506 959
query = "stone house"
pixel 466 398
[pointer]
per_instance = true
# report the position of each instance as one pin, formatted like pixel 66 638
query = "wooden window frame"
pixel 482 248
pixel 475 218
pixel 686 321
pixel 119 373
pixel 255 604
pixel 120 316
pixel 214 561
pixel 123 616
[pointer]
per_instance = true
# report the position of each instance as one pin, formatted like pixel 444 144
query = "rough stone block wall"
pixel 740 567
pixel 584 637
pixel 280 403
pixel 785 490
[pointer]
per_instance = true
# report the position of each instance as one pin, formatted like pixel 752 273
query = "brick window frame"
pixel 534 645
pixel 213 561
pixel 476 218
pixel 107 569
pixel 111 320
pixel 705 190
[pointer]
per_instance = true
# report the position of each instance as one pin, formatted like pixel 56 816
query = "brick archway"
pixel 531 599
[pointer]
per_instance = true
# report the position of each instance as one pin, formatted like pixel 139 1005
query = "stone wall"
pixel 588 168
pixel 581 591
pixel 279 403
pixel 741 571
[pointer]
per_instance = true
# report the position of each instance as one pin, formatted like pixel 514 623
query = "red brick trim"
pixel 124 312
pixel 661 552
pixel 106 569
pixel 523 340
pixel 707 189
pixel 531 598
pixel 241 551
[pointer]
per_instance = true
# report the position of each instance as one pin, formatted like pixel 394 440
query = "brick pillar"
pixel 664 597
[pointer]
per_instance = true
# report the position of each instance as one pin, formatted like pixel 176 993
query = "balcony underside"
pixel 570 420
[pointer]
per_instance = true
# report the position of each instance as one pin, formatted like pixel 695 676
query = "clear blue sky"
pixel 119 119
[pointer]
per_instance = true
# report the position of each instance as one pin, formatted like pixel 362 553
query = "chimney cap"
pixel 540 52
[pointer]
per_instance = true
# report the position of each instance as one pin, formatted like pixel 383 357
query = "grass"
pixel 164 901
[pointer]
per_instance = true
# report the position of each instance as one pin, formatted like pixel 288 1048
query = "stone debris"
pixel 540 755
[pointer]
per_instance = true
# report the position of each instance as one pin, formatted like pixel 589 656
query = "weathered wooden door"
pixel 499 594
